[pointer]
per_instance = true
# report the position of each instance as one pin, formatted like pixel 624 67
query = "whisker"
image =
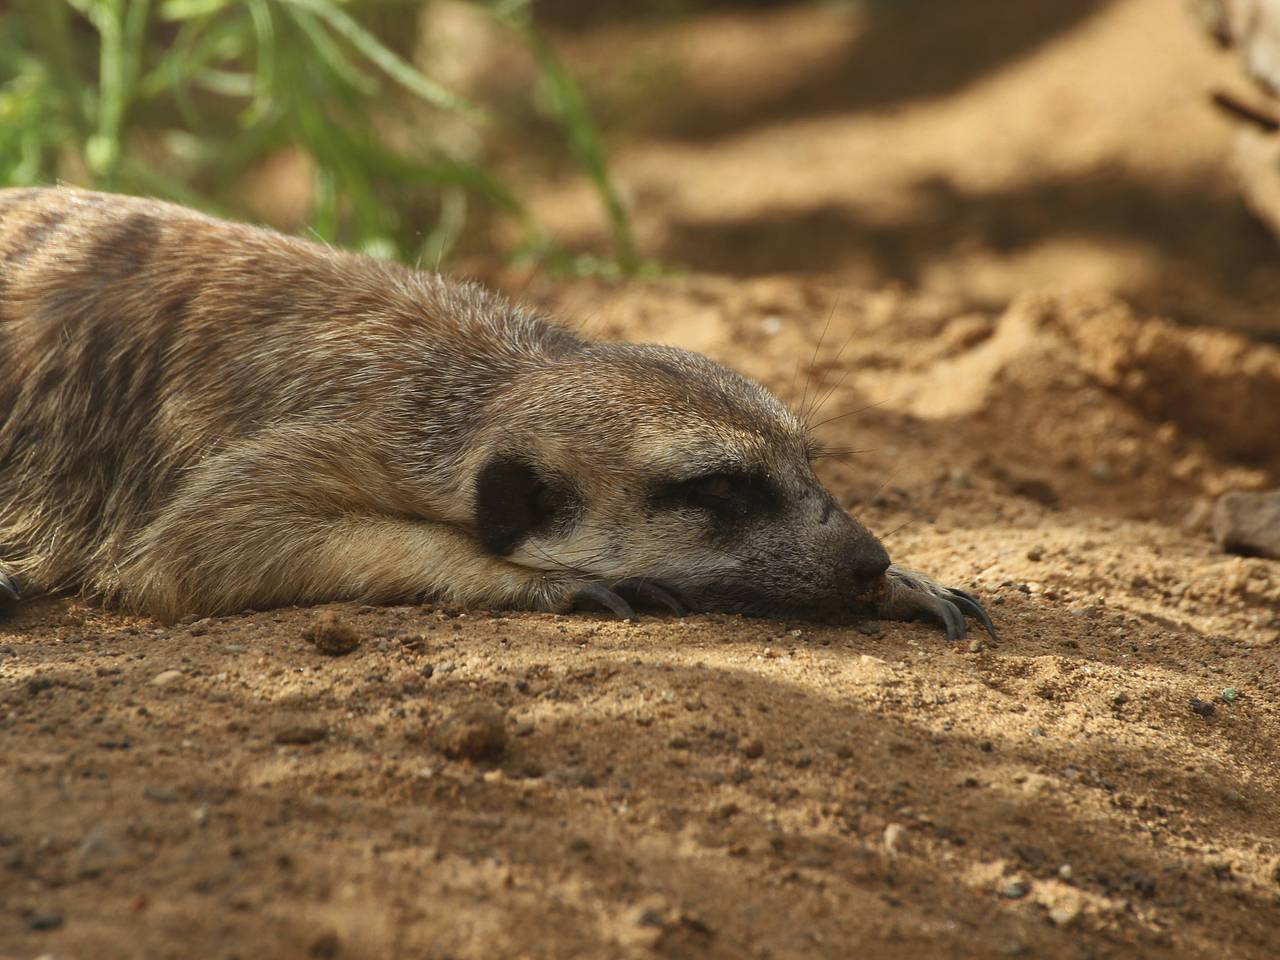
pixel 899 528
pixel 822 401
pixel 826 453
pixel 847 413
pixel 791 389
pixel 814 359
pixel 880 489
pixel 557 563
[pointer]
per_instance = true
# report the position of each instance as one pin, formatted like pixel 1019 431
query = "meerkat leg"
pixel 908 595
pixel 290 519
pixel 317 559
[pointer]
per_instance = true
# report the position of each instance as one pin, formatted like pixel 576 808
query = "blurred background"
pixel 972 149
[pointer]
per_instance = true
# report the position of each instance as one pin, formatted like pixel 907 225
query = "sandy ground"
pixel 1026 421
pixel 973 149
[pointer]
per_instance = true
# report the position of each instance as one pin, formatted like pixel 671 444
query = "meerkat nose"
pixel 869 561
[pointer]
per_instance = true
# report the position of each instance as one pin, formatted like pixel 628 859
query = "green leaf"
pixel 571 110
pixel 330 53
pixel 386 60
pixel 173 10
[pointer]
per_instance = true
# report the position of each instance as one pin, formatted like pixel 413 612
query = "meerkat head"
pixel 623 461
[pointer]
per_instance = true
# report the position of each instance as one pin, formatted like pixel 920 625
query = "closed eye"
pixel 727 496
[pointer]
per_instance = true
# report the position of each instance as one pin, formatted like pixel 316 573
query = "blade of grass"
pixel 187 9
pixel 329 51
pixel 200 41
pixel 386 60
pixel 226 83
pixel 453 217
pixel 372 218
pixel 49 21
pixel 142 178
pixel 584 139
pixel 121 27
pixel 265 41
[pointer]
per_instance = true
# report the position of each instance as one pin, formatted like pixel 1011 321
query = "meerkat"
pixel 202 417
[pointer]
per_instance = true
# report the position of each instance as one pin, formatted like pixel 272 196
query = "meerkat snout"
pixel 864 559
pixel 655 463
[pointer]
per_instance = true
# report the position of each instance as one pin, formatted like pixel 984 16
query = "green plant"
pixel 182 98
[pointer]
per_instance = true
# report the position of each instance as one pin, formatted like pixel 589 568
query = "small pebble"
pixel 1015 889
pixel 166 678
pixel 98 853
pixel 1066 913
pixel 752 747
pixel 325 946
pixel 895 838
pixel 38 685
pixel 1202 707
pixel 43 920
pixel 477 731
pixel 644 925
pixel 726 811
pixel 331 635
pixel 300 734
pixel 1248 522
pixel 577 777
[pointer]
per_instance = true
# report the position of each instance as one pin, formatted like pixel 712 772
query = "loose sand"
pixel 1012 282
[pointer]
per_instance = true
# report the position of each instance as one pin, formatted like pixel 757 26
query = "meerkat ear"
pixel 512 501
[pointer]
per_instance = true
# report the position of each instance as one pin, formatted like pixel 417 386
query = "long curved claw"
pixel 9 592
pixel 908 595
pixel 945 611
pixel 970 606
pixel 647 591
pixel 601 596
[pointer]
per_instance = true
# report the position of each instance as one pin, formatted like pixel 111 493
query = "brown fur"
pixel 199 416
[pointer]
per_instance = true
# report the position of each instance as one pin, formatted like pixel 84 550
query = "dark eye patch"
pixel 727 496
pixel 513 500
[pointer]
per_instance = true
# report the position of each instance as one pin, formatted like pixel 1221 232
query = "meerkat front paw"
pixel 619 597
pixel 9 592
pixel 908 595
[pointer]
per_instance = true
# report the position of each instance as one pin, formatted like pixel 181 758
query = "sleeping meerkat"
pixel 197 417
